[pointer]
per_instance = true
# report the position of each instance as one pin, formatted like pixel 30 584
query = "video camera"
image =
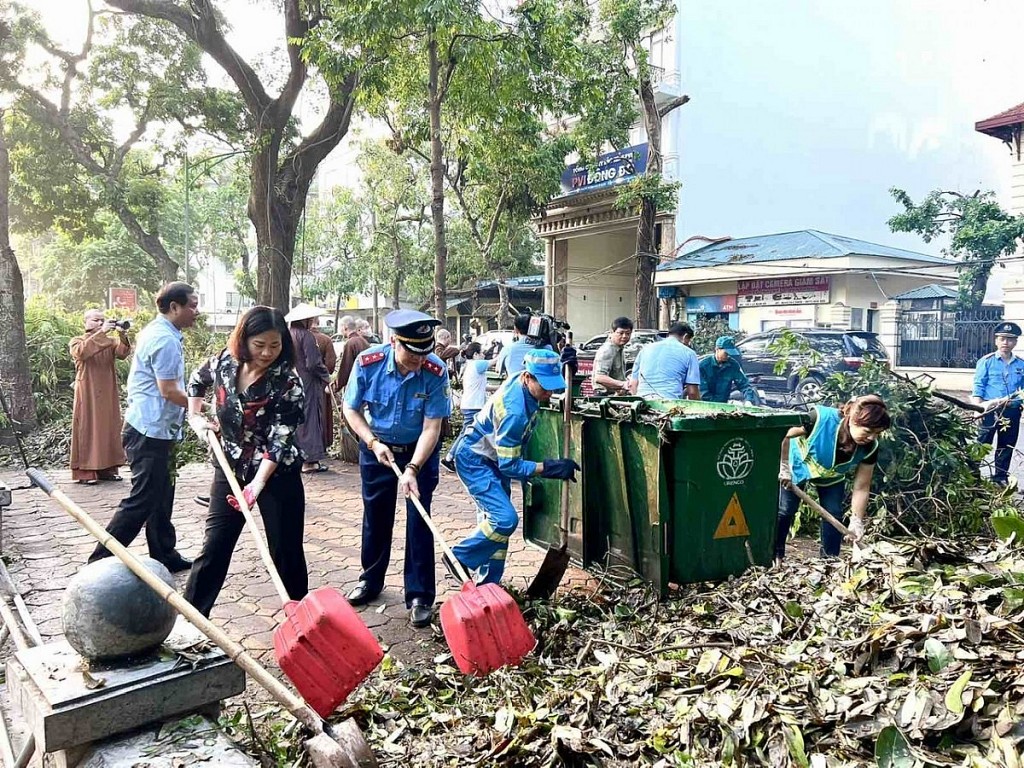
pixel 124 325
pixel 544 330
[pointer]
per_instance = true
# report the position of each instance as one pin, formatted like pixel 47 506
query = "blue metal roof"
pixel 804 244
pixel 530 281
pixel 933 291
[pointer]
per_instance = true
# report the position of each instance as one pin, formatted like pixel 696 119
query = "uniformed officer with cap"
pixel 403 390
pixel 998 380
pixel 488 456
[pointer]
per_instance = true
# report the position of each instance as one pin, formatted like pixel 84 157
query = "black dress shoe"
pixel 421 613
pixel 177 564
pixel 361 595
pixel 203 501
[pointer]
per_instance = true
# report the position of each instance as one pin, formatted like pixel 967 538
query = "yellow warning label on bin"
pixel 733 523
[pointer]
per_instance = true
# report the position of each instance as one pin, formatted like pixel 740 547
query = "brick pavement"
pixel 44 547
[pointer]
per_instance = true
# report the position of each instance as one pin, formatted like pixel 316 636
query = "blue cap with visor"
pixel 543 365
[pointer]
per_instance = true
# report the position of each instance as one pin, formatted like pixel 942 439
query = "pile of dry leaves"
pixel 900 655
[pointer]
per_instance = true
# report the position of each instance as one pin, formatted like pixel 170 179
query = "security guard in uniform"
pixel 998 379
pixel 489 454
pixel 404 391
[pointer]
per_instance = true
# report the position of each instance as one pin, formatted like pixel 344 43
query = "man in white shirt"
pixel 474 394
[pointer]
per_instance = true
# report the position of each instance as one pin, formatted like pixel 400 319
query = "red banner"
pixel 780 284
pixel 776 291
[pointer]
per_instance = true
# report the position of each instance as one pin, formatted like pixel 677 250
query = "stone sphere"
pixel 110 613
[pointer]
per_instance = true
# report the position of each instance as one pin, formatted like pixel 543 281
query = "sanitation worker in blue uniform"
pixel 998 379
pixel 828 446
pixel 396 397
pixel 489 455
pixel 721 373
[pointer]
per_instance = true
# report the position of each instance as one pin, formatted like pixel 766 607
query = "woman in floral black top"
pixel 259 402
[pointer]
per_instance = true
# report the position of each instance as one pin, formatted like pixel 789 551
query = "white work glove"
pixel 856 527
pixel 785 474
pixel 201 425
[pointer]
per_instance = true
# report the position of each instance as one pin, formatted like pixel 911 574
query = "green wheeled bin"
pixel 674 490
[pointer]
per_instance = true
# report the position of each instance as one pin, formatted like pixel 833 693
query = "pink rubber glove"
pixel 249 493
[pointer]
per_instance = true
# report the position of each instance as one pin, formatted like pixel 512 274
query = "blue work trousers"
pixel 485 549
pixel 831 498
pixel 1003 424
pixel 380 495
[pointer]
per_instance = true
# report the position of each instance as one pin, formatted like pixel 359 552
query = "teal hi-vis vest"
pixel 814 457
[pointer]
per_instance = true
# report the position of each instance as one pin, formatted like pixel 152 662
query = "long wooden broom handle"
pixel 299 709
pixel 250 520
pixel 563 518
pixel 434 530
pixel 824 513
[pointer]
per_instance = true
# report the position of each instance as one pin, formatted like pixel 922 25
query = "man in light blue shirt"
pixel 998 380
pixel 667 368
pixel 152 427
pixel 510 361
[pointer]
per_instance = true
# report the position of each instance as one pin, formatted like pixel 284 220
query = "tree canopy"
pixel 980 232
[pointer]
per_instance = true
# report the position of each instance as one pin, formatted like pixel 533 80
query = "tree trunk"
pixel 504 314
pixel 437 183
pixel 15 375
pixel 276 222
pixel 376 309
pixel 646 246
pixel 396 285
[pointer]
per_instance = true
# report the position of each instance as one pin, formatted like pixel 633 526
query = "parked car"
pixel 839 351
pixel 586 352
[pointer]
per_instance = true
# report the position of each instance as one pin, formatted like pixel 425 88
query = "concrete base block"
pixel 193 740
pixel 67 706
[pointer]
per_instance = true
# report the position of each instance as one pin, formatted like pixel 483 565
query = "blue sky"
pixel 804 114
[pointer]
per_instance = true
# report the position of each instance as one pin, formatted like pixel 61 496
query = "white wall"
pixel 594 300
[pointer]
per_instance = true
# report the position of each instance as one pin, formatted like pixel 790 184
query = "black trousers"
pixel 380 495
pixel 1005 434
pixel 151 499
pixel 282 505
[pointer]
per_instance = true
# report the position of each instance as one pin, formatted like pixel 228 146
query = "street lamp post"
pixel 204 164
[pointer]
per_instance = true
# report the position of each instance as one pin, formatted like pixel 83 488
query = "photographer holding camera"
pixel 536 331
pixel 96 451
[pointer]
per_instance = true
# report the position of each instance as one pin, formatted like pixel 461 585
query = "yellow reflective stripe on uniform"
pixel 509 451
pixel 488 531
pixel 498 410
pixel 499 554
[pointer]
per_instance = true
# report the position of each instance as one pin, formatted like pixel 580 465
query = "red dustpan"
pixel 483 625
pixel 323 646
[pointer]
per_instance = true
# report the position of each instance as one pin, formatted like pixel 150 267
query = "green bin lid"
pixel 691 415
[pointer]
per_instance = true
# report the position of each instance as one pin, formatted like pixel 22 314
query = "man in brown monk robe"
pixel 96 451
pixel 355 344
pixel 326 347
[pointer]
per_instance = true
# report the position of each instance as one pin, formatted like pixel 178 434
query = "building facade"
pixel 800 279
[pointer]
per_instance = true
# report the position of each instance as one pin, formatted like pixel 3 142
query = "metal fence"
pixel 936 339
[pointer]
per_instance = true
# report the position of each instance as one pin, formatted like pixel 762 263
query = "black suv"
pixel 839 351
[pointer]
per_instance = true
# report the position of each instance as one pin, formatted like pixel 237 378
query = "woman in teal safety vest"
pixel 829 445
